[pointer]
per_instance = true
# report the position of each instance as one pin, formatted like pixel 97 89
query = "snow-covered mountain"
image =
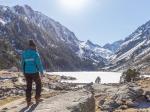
pixel 59 47
pixel 114 46
pixel 93 51
pixel 134 51
pixel 61 50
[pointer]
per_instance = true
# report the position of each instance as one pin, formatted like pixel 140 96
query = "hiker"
pixel 98 80
pixel 33 71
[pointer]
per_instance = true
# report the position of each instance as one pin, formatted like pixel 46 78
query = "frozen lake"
pixel 87 77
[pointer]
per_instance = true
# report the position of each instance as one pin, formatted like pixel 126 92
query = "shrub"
pixel 130 75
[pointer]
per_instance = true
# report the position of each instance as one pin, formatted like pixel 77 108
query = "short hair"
pixel 32 43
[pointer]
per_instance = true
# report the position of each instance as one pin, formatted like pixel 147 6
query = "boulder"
pixel 147 96
pixel 123 96
pixel 109 105
pixel 128 91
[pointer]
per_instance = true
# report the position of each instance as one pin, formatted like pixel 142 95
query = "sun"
pixel 73 4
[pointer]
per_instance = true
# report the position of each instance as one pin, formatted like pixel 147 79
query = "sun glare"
pixel 73 4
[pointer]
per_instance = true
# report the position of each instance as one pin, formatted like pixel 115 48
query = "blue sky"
pixel 100 21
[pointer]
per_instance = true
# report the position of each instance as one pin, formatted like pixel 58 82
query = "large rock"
pixel 109 105
pixel 128 91
pixel 78 101
pixel 123 96
pixel 147 95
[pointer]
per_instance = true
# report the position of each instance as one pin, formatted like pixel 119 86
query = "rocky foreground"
pixel 64 97
pixel 58 97
pixel 75 101
pixel 133 96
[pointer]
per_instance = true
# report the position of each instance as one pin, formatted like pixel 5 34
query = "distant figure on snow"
pixel 98 80
pixel 32 69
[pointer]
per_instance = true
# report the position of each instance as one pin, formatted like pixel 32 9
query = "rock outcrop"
pixel 11 85
pixel 124 96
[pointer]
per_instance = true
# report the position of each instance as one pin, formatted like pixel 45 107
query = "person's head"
pixel 32 44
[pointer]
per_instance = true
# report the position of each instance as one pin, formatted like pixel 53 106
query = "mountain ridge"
pixel 18 24
pixel 134 50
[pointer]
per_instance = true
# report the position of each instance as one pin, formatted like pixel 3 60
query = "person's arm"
pixel 39 63
pixel 22 64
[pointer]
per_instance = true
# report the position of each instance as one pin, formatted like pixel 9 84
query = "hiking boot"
pixel 29 104
pixel 38 100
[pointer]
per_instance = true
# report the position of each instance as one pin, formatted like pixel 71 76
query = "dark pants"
pixel 29 79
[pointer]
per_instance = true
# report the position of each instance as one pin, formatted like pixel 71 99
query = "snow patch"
pixel 18 26
pixel 2 21
pixel 129 53
pixel 4 8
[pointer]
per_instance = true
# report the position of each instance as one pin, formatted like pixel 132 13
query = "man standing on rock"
pixel 32 69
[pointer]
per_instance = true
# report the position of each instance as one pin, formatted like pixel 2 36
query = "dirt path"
pixel 20 104
pixel 65 102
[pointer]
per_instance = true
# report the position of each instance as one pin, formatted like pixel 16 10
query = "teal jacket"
pixel 31 62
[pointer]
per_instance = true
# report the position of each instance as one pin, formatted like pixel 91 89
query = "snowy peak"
pixel 89 43
pixel 3 8
pixel 93 51
pixel 22 10
pixel 45 23
pixel 114 46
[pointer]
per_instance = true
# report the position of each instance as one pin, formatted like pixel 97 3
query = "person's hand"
pixel 42 76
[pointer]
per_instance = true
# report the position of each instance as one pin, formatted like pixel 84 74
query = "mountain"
pixel 114 46
pixel 134 50
pixel 59 48
pixel 94 52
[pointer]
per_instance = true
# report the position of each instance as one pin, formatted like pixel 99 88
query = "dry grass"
pixel 145 84
pixel 96 107
pixel 8 100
